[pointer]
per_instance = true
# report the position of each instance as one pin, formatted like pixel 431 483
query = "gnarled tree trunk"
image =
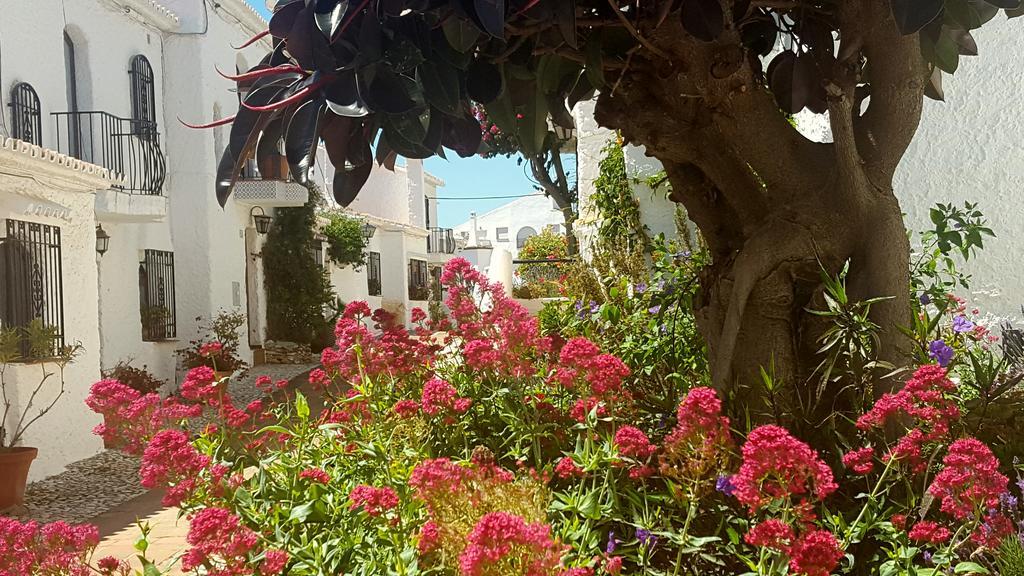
pixel 774 207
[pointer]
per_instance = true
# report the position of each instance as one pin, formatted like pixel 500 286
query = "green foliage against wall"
pixel 617 206
pixel 346 245
pixel 541 280
pixel 297 287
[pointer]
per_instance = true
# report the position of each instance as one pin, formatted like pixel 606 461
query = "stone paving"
pixel 105 490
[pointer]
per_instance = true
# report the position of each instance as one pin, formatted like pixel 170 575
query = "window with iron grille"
pixel 436 289
pixel 156 296
pixel 26 114
pixel 318 253
pixel 31 283
pixel 143 92
pixel 373 273
pixel 419 280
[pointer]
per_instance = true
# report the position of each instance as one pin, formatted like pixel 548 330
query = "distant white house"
pixel 508 226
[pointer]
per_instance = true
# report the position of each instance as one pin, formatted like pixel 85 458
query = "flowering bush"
pixel 504 452
pixel 218 347
pixel 539 279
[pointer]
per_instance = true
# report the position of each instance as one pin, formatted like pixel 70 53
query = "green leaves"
pixel 913 15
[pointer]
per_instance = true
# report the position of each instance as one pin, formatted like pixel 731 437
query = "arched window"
pixel 524 233
pixel 26 114
pixel 143 90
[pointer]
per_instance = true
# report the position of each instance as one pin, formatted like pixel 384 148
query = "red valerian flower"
pixel 969 481
pixel 567 468
pixel 773 533
pixel 776 465
pixel 633 443
pixel 171 460
pixel 500 541
pixel 418 315
pixel 58 548
pixel 923 399
pixel 613 565
pixel 217 533
pixel 406 408
pixel 430 538
pixel 375 501
pixel 929 532
pixel 274 562
pixel 861 461
pixel 815 553
pixel 315 475
pixel 210 349
pixel 699 444
pixel 438 396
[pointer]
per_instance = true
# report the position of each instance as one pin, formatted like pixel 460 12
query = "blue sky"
pixel 466 177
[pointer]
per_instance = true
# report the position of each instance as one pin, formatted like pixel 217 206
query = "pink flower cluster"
pixel 633 443
pixel 861 461
pixel 219 539
pixel 170 460
pixel 58 548
pixel 923 400
pixel 700 440
pixel 778 466
pixel 597 377
pixel 315 475
pixel 505 338
pixel 813 553
pixel 438 479
pixel 440 397
pixel 375 501
pixel 390 350
pixel 969 482
pixel 130 419
pixel 500 541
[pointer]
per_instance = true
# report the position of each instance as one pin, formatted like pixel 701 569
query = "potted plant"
pixel 218 346
pixel 33 343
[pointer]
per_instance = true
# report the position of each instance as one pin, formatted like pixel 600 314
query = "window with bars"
pixel 26 114
pixel 419 280
pixel 373 273
pixel 156 296
pixel 143 93
pixel 31 283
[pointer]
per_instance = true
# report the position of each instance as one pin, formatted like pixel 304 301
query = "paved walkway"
pixel 119 526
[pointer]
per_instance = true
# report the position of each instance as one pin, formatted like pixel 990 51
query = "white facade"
pixel 216 262
pixel 508 226
pixel 967 148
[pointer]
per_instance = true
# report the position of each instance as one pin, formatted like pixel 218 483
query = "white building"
pixel 967 148
pixel 90 94
pixel 508 226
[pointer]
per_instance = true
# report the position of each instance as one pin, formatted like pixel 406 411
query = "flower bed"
pixel 499 453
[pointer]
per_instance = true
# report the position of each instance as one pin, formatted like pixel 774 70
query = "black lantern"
pixel 102 240
pixel 261 220
pixel 368 230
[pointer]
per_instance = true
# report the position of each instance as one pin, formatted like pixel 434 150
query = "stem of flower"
pixel 690 513
pixel 855 525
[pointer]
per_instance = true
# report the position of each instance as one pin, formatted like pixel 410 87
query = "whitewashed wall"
pixel 38 191
pixel 535 212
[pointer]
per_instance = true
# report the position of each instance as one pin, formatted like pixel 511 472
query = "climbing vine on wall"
pixel 617 206
pixel 298 289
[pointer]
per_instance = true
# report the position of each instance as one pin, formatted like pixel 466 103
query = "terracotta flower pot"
pixel 14 465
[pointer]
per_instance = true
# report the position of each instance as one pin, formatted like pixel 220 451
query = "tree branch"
pixel 898 74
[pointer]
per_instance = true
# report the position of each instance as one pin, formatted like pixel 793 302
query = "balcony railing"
pixel 130 148
pixel 441 241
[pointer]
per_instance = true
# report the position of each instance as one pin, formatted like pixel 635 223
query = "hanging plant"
pixel 346 245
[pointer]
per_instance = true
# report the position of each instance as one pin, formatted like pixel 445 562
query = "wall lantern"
pixel 368 230
pixel 261 220
pixel 102 240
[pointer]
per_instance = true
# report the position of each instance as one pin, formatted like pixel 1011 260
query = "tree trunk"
pixel 776 209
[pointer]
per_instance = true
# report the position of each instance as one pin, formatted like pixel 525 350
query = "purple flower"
pixel 1009 501
pixel 927 557
pixel 925 298
pixel 640 288
pixel 594 307
pixel 646 538
pixel 962 324
pixel 724 485
pixel 654 309
pixel 940 352
pixel 612 543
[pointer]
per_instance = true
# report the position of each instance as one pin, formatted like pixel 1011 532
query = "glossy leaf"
pixel 484 82
pixel 780 79
pixel 913 15
pixel 389 93
pixel 940 48
pixel 350 177
pixel 343 97
pixel 440 86
pixel 1005 4
pixel 301 134
pixel 933 88
pixel 461 34
pixel 328 22
pixel 463 136
pixel 491 15
pixel 283 20
pixel 245 131
pixel 565 14
pixel 702 19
